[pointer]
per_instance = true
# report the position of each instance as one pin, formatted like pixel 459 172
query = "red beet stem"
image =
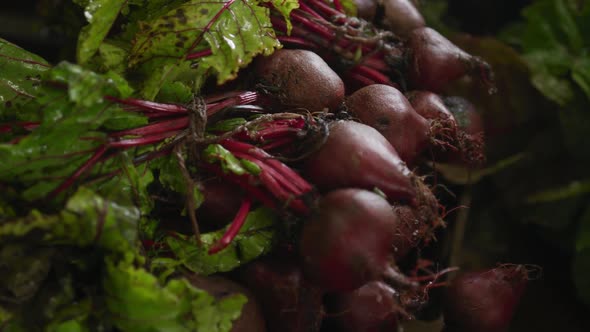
pixel 234 227
pixel 154 128
pixel 83 168
pixel 145 140
pixel 199 54
pixel 150 105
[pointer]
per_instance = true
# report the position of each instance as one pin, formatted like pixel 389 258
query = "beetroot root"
pixel 485 301
pixel 289 302
pixel 356 155
pixel 401 17
pixel 435 61
pixel 374 307
pixel 300 79
pixel 386 109
pixel 347 243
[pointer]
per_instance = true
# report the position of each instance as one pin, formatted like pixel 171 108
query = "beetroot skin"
pixel 301 79
pixel 485 301
pixel 347 242
pixel 435 61
pixel 386 109
pixel 290 303
pixel 374 307
pixel 401 16
pixel 356 155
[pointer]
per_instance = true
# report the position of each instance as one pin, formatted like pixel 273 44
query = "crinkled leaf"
pixel 557 32
pixel 175 92
pixel 24 267
pixel 234 31
pixel 254 239
pixel 20 79
pixel 101 15
pixel 69 129
pixel 159 72
pixel 137 301
pixel 87 88
pixel 112 57
pixel 87 219
pixel 550 74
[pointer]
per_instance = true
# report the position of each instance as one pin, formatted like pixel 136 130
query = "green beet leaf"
pixel 87 220
pixel 101 15
pixel 137 301
pixel 254 239
pixel 222 37
pixel 20 79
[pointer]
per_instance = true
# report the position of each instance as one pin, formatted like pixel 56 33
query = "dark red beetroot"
pixel 434 61
pixel 366 9
pixel 251 318
pixel 485 301
pixel 374 307
pixel 386 109
pixel 465 114
pixel 220 205
pixel 302 79
pixel 356 155
pixel 347 242
pixel 430 106
pixel 289 302
pixel 457 127
pixel 417 224
pixel 401 16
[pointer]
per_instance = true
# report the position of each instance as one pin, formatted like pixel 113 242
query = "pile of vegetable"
pixel 241 165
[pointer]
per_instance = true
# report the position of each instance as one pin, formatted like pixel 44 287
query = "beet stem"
pixel 234 227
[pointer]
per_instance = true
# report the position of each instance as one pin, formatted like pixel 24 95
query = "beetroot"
pixel 430 106
pixel 417 224
pixel 366 9
pixel 300 79
pixel 356 155
pixel 251 318
pixel 435 61
pixel 374 307
pixel 465 114
pixel 347 243
pixel 289 302
pixel 485 301
pixel 386 109
pixel 220 205
pixel 456 125
pixel 401 16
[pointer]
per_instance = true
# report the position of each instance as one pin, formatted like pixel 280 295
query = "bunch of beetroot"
pixel 337 126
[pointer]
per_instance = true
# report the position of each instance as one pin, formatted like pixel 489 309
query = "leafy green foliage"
pixel 101 15
pixel 555 42
pixel 226 34
pixel 137 301
pixel 69 126
pixel 20 79
pixel 254 239
pixel 87 219
pixel 229 163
